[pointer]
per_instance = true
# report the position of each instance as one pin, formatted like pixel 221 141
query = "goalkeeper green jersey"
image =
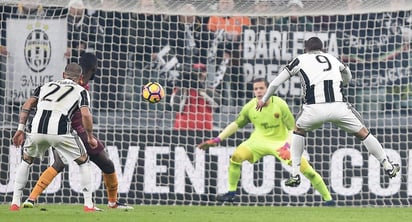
pixel 273 123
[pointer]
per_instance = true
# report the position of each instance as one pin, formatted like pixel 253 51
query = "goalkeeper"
pixel 273 127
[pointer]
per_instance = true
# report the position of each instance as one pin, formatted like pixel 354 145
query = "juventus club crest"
pixel 37 50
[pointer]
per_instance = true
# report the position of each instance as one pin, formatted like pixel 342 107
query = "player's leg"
pixel 316 180
pixel 32 149
pixel 22 176
pixel 241 154
pixel 111 183
pixel 86 182
pixel 283 154
pixel 350 121
pixel 45 179
pixel 105 164
pixel 297 148
pixel 72 149
pixel 309 118
pixel 375 148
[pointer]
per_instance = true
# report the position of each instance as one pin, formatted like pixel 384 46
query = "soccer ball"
pixel 153 92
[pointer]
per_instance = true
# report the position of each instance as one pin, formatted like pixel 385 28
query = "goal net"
pixel 207 68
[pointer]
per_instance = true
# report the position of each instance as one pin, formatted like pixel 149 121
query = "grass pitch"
pixel 70 213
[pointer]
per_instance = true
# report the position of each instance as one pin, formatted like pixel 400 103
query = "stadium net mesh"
pixel 207 69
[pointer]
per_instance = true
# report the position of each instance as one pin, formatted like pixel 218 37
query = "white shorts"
pixel 69 146
pixel 341 114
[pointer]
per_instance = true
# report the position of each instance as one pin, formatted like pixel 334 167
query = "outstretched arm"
pixel 273 86
pixel 228 131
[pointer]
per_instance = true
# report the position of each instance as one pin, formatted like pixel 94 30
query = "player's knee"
pixel 306 169
pixel 299 132
pixel 82 159
pixel 108 168
pixel 106 165
pixel 241 154
pixel 363 133
pixel 27 159
pixel 103 161
pixel 58 166
pixel 239 157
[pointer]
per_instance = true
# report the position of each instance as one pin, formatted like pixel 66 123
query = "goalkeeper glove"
pixel 284 151
pixel 212 142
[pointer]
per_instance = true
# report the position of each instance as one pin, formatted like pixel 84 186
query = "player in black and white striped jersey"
pixel 322 78
pixel 98 155
pixel 55 103
pixel 58 101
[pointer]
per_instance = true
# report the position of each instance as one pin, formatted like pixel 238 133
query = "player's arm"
pixel 241 120
pixel 26 108
pixel 273 86
pixel 346 74
pixel 18 137
pixel 228 131
pixel 289 70
pixel 87 119
pixel 25 112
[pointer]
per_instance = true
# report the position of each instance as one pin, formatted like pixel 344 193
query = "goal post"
pixel 207 75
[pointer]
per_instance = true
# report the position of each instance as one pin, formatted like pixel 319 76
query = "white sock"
pixel 376 149
pixel 86 183
pixel 22 176
pixel 296 150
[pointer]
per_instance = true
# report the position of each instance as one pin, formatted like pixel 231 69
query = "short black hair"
pixel 261 80
pixel 88 62
pixel 313 44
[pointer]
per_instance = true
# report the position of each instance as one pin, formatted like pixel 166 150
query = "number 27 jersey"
pixel 320 75
pixel 57 101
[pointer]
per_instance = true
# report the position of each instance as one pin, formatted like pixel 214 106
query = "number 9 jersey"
pixel 57 101
pixel 322 77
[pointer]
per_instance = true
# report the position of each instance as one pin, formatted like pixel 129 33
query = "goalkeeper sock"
pixel 234 175
pixel 111 183
pixel 22 176
pixel 86 183
pixel 45 179
pixel 376 149
pixel 316 180
pixel 296 150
